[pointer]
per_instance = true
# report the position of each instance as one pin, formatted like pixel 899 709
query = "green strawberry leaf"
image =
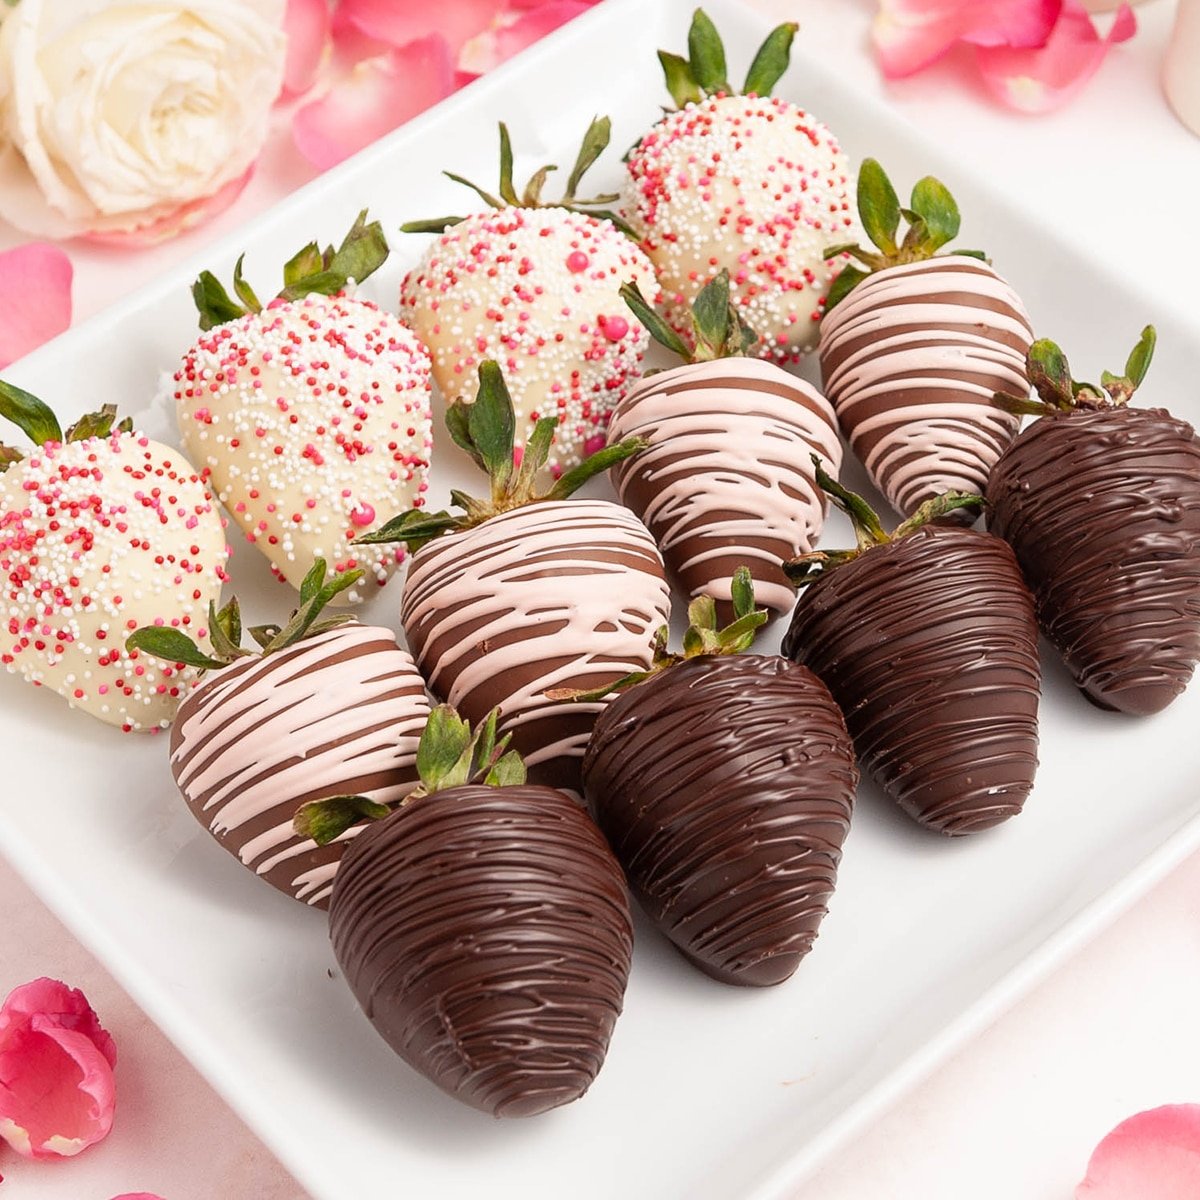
pixel 213 302
pixel 29 414
pixel 492 424
pixel 508 193
pixel 932 202
pixel 742 592
pixel 245 293
pixel 710 314
pixel 654 324
pixel 706 53
pixel 595 142
pixel 771 61
pixel 324 821
pixel 92 425
pixel 167 643
pixel 878 206
pixel 681 83
pixel 1139 359
pixel 848 278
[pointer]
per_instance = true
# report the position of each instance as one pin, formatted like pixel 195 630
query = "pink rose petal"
pixel 1035 81
pixel 910 34
pixel 163 227
pixel 35 298
pixel 534 24
pixel 397 22
pixel 56 1072
pixel 307 26
pixel 378 95
pixel 1152 1156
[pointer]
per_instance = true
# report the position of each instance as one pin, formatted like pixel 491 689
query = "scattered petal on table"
pixel 911 34
pixel 35 299
pixel 1035 81
pixel 378 95
pixel 398 22
pixel 1152 1156
pixel 307 25
pixel 56 1072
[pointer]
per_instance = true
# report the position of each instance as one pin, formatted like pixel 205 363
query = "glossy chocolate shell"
pixel 725 787
pixel 486 934
pixel 929 646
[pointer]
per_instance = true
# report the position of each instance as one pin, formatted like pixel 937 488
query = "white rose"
pixel 116 115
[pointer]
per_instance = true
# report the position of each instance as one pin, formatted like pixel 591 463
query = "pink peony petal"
pixel 534 24
pixel 1152 1156
pixel 378 95
pixel 35 301
pixel 179 220
pixel 398 23
pixel 910 34
pixel 1035 81
pixel 307 26
pixel 56 1072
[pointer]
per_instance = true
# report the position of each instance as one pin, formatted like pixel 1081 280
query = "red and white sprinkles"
pixel 313 420
pixel 537 289
pixel 755 185
pixel 98 538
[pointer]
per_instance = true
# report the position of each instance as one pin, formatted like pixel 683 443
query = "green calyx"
pixel 311 271
pixel 703 639
pixel 718 330
pixel 486 430
pixel 225 626
pixel 1050 374
pixel 868 529
pixel 450 755
pixel 932 217
pixel 36 420
pixel 595 142
pixel 704 71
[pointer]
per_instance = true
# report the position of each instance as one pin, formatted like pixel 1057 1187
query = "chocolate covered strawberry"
pixel 101 530
pixel 928 642
pixel 528 590
pixel 534 284
pixel 724 783
pixel 915 343
pixel 726 477
pixel 311 415
pixel 484 927
pixel 1101 503
pixel 747 183
pixel 325 707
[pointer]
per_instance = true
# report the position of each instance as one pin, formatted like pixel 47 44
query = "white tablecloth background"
pixel 1017 1112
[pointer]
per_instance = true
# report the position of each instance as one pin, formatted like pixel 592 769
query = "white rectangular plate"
pixel 709 1092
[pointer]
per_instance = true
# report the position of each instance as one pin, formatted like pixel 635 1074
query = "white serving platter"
pixel 709 1093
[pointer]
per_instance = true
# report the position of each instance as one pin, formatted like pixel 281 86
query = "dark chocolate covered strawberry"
pixel 326 706
pixel 528 590
pixel 724 783
pixel 726 477
pixel 928 642
pixel 484 927
pixel 1101 503
pixel 914 346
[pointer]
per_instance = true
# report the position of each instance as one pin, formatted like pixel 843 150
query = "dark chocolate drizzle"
pixel 725 786
pixel 1103 511
pixel 929 645
pixel 486 934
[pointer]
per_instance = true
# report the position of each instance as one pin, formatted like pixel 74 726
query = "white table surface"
pixel 1016 1113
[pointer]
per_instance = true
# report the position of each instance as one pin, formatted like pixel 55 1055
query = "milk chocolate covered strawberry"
pixel 724 783
pixel 326 706
pixel 311 413
pixel 726 477
pixel 914 344
pixel 527 590
pixel 484 926
pixel 101 531
pixel 1101 503
pixel 927 640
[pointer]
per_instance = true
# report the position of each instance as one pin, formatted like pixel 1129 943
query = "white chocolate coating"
pixel 565 594
pixel 538 290
pixel 97 539
pixel 911 359
pixel 313 419
pixel 728 463
pixel 757 186
pixel 337 714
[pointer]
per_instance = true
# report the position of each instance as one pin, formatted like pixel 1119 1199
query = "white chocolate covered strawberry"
pixel 536 287
pixel 101 531
pixel 747 183
pixel 311 415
